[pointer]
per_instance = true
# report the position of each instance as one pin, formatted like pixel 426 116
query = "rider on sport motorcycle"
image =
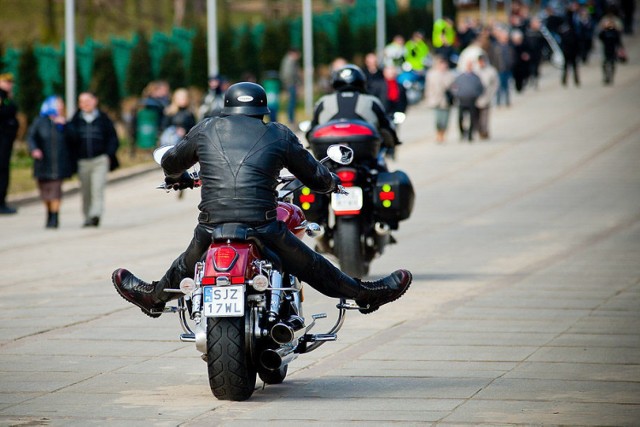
pixel 351 101
pixel 240 160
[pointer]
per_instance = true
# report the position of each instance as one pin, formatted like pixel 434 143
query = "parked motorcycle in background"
pixel 242 310
pixel 358 225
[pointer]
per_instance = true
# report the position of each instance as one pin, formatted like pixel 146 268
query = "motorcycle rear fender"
pixel 241 268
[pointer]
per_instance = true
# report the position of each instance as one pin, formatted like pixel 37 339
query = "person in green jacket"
pixel 416 51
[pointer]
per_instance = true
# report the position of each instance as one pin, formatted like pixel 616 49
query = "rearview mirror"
pixel 340 154
pixel 304 126
pixel 159 153
pixel 399 117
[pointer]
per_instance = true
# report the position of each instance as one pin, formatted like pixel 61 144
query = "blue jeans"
pixel 291 108
pixel 503 88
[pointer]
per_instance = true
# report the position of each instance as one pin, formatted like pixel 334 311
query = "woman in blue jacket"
pixel 50 150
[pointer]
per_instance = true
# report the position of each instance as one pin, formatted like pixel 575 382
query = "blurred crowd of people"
pixel 473 67
pixel 467 66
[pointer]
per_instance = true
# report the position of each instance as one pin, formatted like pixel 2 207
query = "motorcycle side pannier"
pixel 363 138
pixel 393 197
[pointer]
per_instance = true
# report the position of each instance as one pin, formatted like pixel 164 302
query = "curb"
pixel 73 187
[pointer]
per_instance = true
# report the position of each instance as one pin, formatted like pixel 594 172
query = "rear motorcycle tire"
pixel 348 246
pixel 232 374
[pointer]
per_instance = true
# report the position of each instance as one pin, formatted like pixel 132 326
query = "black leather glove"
pixel 336 180
pixel 184 181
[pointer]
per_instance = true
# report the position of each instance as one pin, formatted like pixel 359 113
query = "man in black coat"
pixel 240 160
pixel 8 131
pixel 95 142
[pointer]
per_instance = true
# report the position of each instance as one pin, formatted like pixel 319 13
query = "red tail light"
pixel 224 258
pixel 347 176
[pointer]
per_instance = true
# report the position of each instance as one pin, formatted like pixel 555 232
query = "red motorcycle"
pixel 242 310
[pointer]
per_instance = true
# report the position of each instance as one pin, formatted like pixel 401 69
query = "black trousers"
pixel 297 259
pixel 6 147
pixel 467 120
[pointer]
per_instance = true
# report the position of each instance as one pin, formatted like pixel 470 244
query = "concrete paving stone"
pixel 123 407
pixel 517 325
pixel 144 383
pixel 89 364
pixel 422 337
pixel 521 412
pixel 615 356
pixel 529 290
pixel 605 325
pixel 601 312
pixel 11 398
pixel 454 353
pixel 291 404
pixel 576 371
pixel 52 421
pixel 88 348
pixel 497 300
pixel 347 387
pixel 597 340
pixel 468 312
pixel 424 369
pixel 167 366
pixel 110 333
pixel 351 416
pixel 562 390
pixel 38 382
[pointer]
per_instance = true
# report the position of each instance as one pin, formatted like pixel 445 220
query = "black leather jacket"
pixel 240 160
pixel 355 106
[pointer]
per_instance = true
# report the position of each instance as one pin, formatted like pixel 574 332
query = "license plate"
pixel 343 203
pixel 224 301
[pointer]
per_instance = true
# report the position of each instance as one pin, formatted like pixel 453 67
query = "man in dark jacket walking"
pixel 8 130
pixel 240 160
pixel 94 141
pixel 466 88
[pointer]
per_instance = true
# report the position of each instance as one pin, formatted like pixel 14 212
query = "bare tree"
pixel 178 12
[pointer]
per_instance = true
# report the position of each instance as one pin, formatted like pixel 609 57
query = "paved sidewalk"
pixel 524 309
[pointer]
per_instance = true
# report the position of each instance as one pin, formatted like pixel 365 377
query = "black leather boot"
pixel 138 292
pixel 374 294
pixel 52 220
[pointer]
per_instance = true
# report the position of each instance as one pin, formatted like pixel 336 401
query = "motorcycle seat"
pixel 236 231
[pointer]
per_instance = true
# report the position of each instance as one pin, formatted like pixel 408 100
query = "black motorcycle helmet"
pixel 245 98
pixel 349 78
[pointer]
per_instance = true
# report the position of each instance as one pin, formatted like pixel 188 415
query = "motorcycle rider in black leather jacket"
pixel 351 101
pixel 240 160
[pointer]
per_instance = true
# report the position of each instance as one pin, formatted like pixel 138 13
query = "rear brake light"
pixel 224 258
pixel 343 130
pixel 347 176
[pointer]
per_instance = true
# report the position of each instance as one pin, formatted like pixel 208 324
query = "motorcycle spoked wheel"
pixel 347 239
pixel 232 373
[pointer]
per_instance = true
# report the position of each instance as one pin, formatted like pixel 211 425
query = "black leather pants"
pixel 296 257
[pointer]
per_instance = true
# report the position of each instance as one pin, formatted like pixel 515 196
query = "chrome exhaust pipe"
pixel 382 229
pixel 275 359
pixel 288 330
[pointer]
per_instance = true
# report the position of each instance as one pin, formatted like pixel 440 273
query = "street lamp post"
pixel 381 36
pixel 70 56
pixel 212 38
pixel 307 47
